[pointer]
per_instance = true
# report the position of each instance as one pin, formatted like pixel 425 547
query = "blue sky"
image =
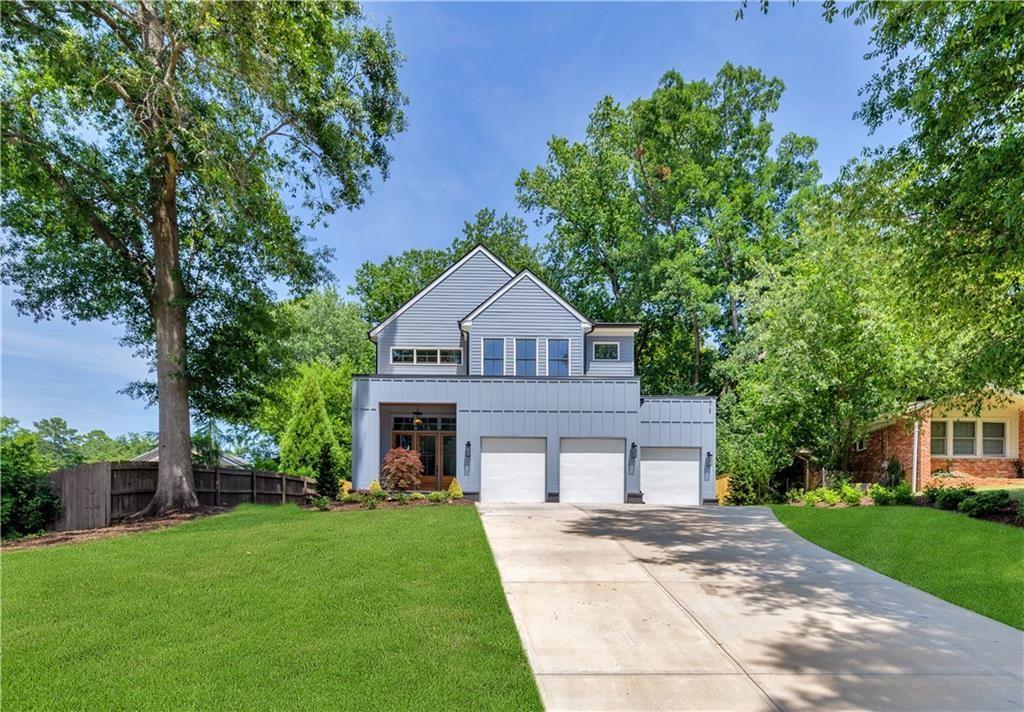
pixel 488 85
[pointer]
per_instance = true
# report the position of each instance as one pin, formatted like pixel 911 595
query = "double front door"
pixel 437 453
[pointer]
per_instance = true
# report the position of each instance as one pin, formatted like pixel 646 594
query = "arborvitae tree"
pixel 327 472
pixel 308 430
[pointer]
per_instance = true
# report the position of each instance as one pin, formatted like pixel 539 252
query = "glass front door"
pixel 428 456
pixel 448 460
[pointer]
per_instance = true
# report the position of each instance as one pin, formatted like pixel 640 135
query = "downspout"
pixel 913 467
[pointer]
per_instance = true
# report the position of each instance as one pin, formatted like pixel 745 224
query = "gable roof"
pixel 478 250
pixel 524 275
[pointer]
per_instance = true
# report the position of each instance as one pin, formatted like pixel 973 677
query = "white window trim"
pixel 860 445
pixel 483 355
pixel 542 364
pixel 978 439
pixel 618 351
pixel 414 349
pixel 568 354
pixel 515 354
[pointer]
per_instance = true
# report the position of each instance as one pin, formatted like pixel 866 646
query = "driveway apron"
pixel 636 607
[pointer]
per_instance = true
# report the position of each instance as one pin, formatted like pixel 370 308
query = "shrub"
pixel 375 487
pixel 750 488
pixel 346 486
pixel 951 497
pixel 327 472
pixel 454 490
pixel 417 496
pixel 795 495
pixel 985 503
pixel 850 494
pixel 437 497
pixel 28 502
pixel 352 498
pixel 401 469
pixel 401 497
pixel 823 495
pixel 320 502
pixel 902 494
pixel 880 495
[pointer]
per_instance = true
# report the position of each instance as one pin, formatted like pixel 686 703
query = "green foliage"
pixel 327 471
pixel 401 469
pixel 27 502
pixel 950 497
pixel 321 502
pixel 383 288
pixel 849 494
pixel 985 503
pixel 309 430
pixel 60 443
pixel 417 496
pixel 151 156
pixel 375 488
pixel 892 473
pixel 747 488
pixel 455 490
pixel 823 495
pixel 401 498
pixel 352 498
pixel 794 495
pixel 883 496
pixel 664 211
pixel 437 497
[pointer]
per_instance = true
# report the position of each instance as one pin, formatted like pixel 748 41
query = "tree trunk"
pixel 734 316
pixel 174 491
pixel 696 350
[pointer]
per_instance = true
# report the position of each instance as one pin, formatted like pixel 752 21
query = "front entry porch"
pixel 428 429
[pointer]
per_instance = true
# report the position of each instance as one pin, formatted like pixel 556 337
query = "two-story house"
pixel 495 379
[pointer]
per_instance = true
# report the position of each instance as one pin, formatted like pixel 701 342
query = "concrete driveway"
pixel 718 608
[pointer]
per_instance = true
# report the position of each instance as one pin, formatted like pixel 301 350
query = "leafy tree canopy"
pixel 151 152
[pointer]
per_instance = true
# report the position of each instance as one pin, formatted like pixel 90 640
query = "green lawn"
pixel 975 564
pixel 267 608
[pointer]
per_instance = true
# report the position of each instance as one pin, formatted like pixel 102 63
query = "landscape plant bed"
pixel 267 608
pixel 116 529
pixel 392 504
pixel 972 563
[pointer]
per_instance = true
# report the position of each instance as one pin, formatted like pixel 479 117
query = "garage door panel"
pixel 670 475
pixel 591 470
pixel 512 470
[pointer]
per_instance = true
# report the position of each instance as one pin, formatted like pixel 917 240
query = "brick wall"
pixel 897 440
pixel 893 441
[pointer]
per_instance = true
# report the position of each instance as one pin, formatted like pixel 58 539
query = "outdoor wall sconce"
pixel 465 463
pixel 632 459
pixel 707 467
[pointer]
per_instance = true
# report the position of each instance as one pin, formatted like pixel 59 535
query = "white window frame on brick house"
pixel 860 445
pixel 979 439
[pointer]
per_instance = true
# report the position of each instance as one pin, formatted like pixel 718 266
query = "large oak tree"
pixel 156 156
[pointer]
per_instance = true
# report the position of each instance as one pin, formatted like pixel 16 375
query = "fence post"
pixel 284 489
pixel 253 473
pixel 216 486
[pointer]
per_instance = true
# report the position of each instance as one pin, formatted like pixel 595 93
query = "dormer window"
pixel 606 351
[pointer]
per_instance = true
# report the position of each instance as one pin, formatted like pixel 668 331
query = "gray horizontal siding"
pixel 623 367
pixel 525 310
pixel 552 408
pixel 434 319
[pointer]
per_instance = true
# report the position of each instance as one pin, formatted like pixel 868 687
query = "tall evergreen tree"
pixel 309 430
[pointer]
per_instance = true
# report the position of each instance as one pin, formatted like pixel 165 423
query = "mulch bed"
pixel 342 506
pixel 121 528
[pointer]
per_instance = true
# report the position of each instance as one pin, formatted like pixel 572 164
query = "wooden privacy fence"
pixel 94 495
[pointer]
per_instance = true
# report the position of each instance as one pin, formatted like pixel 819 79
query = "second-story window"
pixel 558 357
pixel 494 357
pixel 526 357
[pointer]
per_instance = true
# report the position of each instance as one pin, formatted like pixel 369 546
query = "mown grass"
pixel 267 608
pixel 975 564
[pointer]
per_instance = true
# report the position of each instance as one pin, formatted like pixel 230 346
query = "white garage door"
pixel 670 475
pixel 512 470
pixel 592 471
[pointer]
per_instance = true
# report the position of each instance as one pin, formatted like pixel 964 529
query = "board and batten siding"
pixel 525 311
pixel 625 364
pixel 608 407
pixel 434 319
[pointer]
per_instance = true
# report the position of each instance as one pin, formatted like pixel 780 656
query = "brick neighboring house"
pixel 983 448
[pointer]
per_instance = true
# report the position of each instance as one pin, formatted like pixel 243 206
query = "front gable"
pixel 431 318
pixel 525 308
